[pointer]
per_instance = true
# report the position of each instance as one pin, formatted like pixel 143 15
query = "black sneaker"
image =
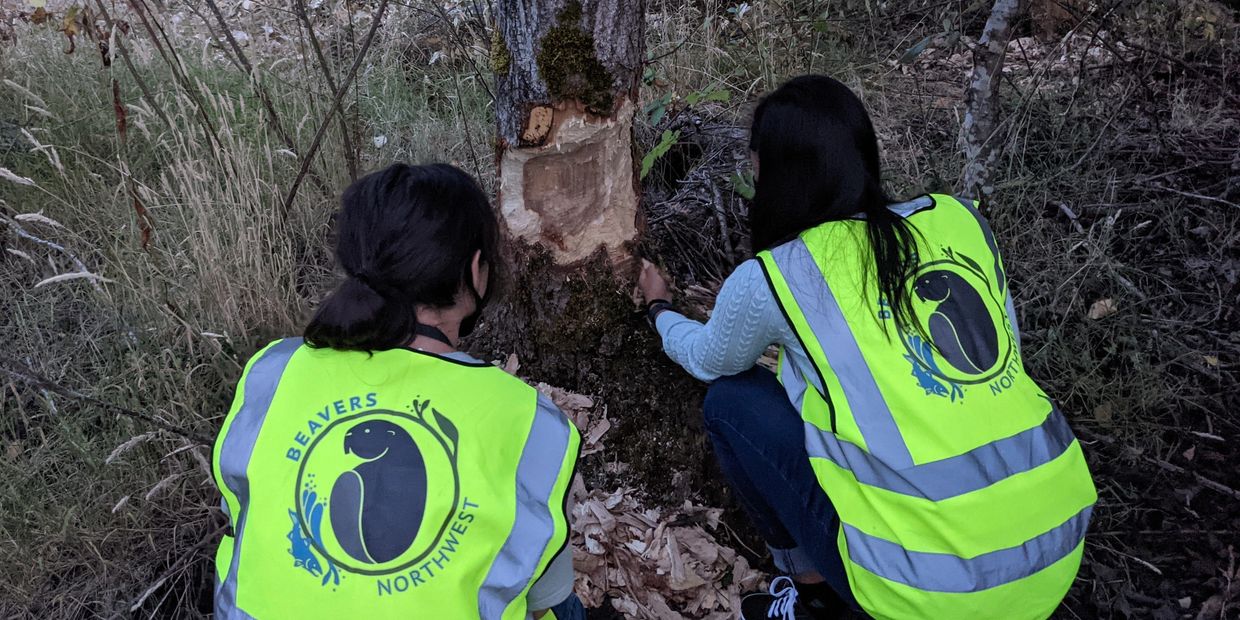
pixel 784 601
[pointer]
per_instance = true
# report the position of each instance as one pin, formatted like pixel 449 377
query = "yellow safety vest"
pixel 961 491
pixel 394 485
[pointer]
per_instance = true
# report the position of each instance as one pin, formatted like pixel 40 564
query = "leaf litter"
pixel 648 563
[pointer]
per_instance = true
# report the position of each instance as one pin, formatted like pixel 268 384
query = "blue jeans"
pixel 759 439
pixel 570 609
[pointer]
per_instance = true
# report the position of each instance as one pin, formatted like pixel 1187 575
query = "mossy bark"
pixel 565 51
pixel 569 199
pixel 567 73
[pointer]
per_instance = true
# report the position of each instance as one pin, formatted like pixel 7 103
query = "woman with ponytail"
pixel 370 468
pixel 901 462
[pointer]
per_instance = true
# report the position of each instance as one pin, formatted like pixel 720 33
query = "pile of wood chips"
pixel 649 563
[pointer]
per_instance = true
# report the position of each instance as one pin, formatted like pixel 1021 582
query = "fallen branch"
pixel 24 373
pixel 1171 467
pixel 310 153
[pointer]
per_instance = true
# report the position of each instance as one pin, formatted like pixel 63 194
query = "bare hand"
pixel 652 284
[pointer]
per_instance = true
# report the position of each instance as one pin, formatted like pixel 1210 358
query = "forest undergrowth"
pixel 150 242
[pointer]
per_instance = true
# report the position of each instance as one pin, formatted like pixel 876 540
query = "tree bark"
pixel 567 79
pixel 567 75
pixel 981 103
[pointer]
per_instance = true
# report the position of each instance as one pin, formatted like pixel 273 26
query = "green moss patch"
pixel 567 61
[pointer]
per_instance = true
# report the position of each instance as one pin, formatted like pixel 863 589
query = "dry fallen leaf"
pixel 1104 412
pixel 1103 308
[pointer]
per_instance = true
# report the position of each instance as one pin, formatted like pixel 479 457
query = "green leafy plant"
pixel 665 144
pixel 743 184
pixel 657 110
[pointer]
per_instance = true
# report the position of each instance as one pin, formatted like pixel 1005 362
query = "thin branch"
pixel 174 63
pixel 133 71
pixel 244 61
pixel 24 373
pixel 351 158
pixel 260 90
pixel 308 158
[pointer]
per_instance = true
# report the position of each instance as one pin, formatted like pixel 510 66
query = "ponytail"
pixel 358 317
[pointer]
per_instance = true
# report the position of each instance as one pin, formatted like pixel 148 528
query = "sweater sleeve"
pixel 746 320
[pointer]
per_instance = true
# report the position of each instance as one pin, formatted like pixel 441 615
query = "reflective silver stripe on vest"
pixel 943 572
pixel 822 312
pixel 260 387
pixel 964 473
pixel 542 458
pixel 793 382
pixel 1000 277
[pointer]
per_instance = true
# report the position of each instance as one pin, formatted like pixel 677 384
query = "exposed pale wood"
pixel 567 74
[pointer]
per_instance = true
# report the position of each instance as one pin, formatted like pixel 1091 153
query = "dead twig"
pixel 1171 467
pixel 261 91
pixel 306 159
pixel 24 373
pixel 299 7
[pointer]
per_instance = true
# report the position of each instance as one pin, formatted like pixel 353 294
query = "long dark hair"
pixel 406 237
pixel 818 159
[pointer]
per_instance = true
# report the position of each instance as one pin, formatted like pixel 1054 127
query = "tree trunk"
pixel 981 103
pixel 567 75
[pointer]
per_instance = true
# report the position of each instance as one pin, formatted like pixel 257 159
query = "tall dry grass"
pixel 105 515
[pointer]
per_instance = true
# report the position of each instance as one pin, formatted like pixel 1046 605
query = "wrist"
pixel 655 307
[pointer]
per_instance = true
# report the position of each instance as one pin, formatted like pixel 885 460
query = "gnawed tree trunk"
pixel 567 73
pixel 981 102
pixel 567 77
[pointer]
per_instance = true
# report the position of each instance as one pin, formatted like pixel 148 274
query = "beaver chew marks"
pixel 576 192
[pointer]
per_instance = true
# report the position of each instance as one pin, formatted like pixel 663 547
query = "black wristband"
pixel 654 307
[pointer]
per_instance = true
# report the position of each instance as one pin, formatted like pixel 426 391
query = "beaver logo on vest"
pixel 964 337
pixel 362 501
pixel 376 507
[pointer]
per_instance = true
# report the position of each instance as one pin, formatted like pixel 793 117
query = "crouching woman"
pixel 372 470
pixel 902 460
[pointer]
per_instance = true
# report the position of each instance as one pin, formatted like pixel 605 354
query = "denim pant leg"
pixel 570 609
pixel 759 440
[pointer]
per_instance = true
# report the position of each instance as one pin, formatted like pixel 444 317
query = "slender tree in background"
pixel 980 141
pixel 567 75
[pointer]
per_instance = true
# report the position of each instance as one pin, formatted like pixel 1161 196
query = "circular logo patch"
pixel 368 474
pixel 969 342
